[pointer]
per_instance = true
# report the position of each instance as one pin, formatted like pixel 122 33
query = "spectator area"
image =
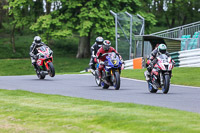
pixel 188 42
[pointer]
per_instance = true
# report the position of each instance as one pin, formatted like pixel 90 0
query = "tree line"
pixel 56 19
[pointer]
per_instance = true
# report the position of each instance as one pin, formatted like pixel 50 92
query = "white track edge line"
pixel 171 84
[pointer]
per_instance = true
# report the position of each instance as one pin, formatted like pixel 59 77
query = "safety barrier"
pixel 187 58
pixel 137 63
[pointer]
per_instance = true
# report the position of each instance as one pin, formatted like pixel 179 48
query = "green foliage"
pixel 18 10
pixel 171 13
pixel 61 47
pixel 49 28
pixel 150 21
pixel 23 66
pixel 85 17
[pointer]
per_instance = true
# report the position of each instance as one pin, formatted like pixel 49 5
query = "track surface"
pixel 84 86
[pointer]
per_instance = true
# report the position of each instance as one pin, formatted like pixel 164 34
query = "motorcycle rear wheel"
pixel 98 81
pixel 165 88
pixel 40 75
pixel 52 70
pixel 104 85
pixel 151 88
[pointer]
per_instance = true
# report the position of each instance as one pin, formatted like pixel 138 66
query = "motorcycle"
pixel 111 72
pixel 161 74
pixel 44 62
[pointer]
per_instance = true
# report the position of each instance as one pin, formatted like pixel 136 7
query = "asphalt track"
pixel 84 86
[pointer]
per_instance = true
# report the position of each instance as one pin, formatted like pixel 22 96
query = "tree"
pixel 2 12
pixel 173 13
pixel 37 9
pixel 48 6
pixel 18 11
pixel 85 18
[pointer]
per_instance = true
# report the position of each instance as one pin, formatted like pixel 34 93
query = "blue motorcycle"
pixel 111 72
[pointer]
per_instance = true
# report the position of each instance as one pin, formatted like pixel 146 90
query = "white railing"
pixel 177 32
pixel 128 64
pixel 187 58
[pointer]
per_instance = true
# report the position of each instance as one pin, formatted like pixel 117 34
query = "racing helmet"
pixel 106 45
pixel 162 49
pixel 99 40
pixel 37 39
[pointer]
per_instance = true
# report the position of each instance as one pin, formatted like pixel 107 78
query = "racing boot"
pixel 93 67
pixel 147 75
pixel 35 66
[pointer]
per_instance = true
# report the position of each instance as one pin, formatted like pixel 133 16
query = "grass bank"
pixel 62 47
pixel 181 76
pixel 23 111
pixel 23 66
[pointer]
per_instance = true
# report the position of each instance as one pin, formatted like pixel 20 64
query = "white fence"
pixel 128 64
pixel 177 32
pixel 187 58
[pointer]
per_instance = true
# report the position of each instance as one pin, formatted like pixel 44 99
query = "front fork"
pixel 46 64
pixel 112 75
pixel 161 78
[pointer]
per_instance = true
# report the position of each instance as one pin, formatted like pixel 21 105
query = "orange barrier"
pixel 137 63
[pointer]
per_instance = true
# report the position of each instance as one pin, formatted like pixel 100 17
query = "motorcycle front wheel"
pixel 166 85
pixel 116 83
pixel 51 69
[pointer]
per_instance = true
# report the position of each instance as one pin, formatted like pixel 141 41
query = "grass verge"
pixel 181 76
pixel 22 111
pixel 62 65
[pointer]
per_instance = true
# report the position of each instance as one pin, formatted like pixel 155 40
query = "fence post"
pixel 131 26
pixel 115 15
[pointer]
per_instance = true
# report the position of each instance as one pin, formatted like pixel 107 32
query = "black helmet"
pixel 99 40
pixel 37 39
pixel 106 45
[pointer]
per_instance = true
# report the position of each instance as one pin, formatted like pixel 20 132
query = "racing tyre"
pixel 116 82
pixel 165 88
pixel 51 69
pixel 104 85
pixel 98 81
pixel 151 88
pixel 40 75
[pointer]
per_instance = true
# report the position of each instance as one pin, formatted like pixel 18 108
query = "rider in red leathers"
pixel 106 48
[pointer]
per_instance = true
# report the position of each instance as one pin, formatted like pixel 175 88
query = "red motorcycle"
pixel 161 74
pixel 44 62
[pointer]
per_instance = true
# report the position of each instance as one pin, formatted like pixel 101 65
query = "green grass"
pixel 181 76
pixel 23 66
pixel 23 112
pixel 62 48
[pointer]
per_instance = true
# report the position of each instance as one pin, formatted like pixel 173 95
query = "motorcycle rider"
pixel 160 49
pixel 37 42
pixel 106 48
pixel 95 47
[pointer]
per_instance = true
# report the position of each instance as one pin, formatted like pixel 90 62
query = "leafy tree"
pixel 2 12
pixel 84 17
pixel 19 12
pixel 173 13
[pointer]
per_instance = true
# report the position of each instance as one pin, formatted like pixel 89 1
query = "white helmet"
pixel 37 39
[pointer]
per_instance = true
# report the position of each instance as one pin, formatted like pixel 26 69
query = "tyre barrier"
pixel 187 58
